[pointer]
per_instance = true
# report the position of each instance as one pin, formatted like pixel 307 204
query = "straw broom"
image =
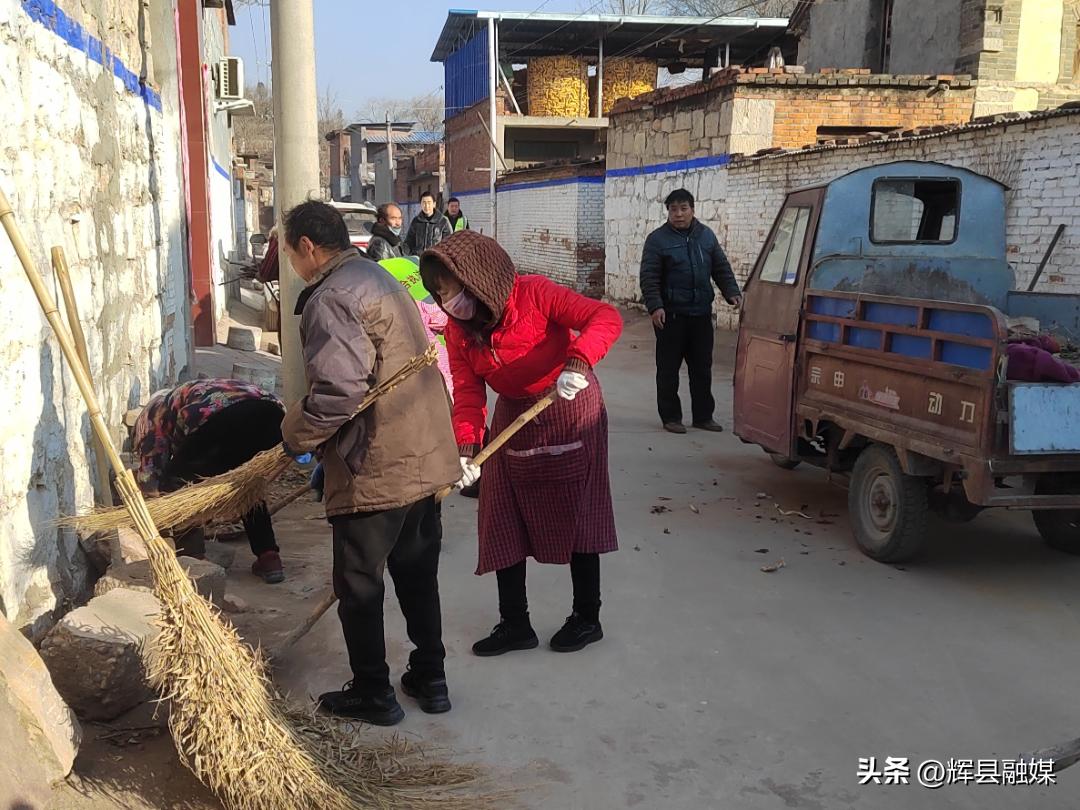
pixel 230 727
pixel 233 494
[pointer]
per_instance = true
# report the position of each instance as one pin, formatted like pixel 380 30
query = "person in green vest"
pixel 458 220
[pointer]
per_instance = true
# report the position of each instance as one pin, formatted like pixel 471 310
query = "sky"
pixel 366 49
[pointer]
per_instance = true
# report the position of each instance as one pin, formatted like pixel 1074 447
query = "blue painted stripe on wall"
pixel 220 170
pixel 52 17
pixel 676 166
pixel 561 181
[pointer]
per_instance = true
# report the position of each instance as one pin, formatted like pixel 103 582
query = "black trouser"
pixel 689 338
pixel 407 541
pixel 584 574
pixel 224 442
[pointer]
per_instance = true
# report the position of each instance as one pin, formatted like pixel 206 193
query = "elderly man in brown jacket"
pixel 382 468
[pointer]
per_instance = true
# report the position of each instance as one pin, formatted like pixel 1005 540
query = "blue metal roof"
pixel 418 137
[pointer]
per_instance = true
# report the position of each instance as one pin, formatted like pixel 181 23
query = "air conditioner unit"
pixel 230 84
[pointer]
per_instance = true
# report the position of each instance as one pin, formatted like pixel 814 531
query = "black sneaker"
pixel 379 710
pixel 430 692
pixel 506 637
pixel 576 634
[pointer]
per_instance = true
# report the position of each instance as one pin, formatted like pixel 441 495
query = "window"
pixel 782 264
pixel 914 210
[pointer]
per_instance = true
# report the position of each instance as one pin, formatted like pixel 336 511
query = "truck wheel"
pixel 1060 528
pixel 783 462
pixel 888 508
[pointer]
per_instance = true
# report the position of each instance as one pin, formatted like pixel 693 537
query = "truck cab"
pixel 875 327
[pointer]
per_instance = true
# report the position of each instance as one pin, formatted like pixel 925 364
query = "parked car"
pixel 360 219
pixel 874 341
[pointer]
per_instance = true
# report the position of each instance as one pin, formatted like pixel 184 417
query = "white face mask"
pixel 462 306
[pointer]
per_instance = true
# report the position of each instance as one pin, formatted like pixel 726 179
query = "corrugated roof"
pixel 418 138
pixel 524 34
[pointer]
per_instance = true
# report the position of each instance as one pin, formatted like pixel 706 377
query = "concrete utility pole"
pixel 296 157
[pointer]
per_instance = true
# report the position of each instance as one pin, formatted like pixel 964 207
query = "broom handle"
pixel 60 267
pixel 67 345
pixel 295 495
pixel 533 412
pixel 329 598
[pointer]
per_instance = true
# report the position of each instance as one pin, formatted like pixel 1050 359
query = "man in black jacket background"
pixel 428 228
pixel 386 242
pixel 679 264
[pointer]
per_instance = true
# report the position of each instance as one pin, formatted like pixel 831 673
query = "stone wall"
pixel 744 111
pixel 551 222
pixel 91 162
pixel 1037 156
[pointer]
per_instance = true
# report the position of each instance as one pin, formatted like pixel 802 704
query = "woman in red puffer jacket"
pixel 546 494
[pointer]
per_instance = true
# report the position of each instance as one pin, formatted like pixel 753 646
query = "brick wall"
pixel 1039 158
pixel 426 163
pixel 551 222
pixel 468 146
pixel 744 111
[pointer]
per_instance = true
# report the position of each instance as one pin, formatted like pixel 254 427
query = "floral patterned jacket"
pixel 175 413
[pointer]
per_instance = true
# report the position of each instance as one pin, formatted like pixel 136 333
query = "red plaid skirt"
pixel 546 493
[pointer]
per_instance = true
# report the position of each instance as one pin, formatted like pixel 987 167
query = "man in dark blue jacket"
pixel 680 262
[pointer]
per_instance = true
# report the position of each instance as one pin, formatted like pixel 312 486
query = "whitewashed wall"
pixel 555 228
pixel 1038 158
pixel 91 162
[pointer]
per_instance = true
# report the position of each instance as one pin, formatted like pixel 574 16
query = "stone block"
pixel 208 577
pixel 273 347
pixel 697 124
pixel 678 144
pixel 244 338
pixel 682 121
pixel 39 731
pixel 264 378
pixel 99 654
pixel 712 124
pixel 104 549
pixel 220 554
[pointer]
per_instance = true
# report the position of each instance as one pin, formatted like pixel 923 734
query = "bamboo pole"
pixel 329 598
pixel 63 276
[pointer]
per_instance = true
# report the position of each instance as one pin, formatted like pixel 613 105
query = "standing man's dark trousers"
pixel 689 338
pixel 407 541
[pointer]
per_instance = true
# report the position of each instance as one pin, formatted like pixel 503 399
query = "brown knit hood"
pixel 479 263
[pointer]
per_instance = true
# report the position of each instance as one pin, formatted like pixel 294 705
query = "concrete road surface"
pixel 718 685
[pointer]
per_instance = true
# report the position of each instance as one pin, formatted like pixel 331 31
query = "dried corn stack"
pixel 558 86
pixel 627 78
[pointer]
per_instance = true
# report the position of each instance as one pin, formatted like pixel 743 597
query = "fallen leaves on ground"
pixel 776 566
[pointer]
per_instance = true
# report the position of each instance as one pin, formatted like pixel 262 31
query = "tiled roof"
pixel 791 76
pixel 921 133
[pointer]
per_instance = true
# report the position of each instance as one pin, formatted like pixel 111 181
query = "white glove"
pixel 570 384
pixel 470 473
